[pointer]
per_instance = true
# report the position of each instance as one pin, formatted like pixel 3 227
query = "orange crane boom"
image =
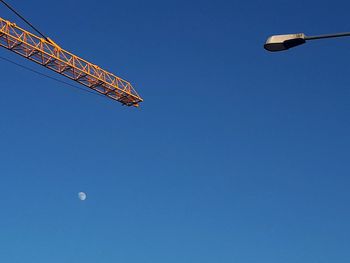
pixel 47 53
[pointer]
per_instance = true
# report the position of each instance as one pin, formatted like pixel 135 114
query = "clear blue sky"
pixel 236 154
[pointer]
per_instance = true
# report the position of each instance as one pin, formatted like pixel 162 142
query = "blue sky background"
pixel 236 154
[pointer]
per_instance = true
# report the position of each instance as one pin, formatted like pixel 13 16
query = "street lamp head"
pixel 284 42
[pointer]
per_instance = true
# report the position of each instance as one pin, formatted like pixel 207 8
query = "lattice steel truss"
pixel 47 53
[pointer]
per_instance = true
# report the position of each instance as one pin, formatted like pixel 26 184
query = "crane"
pixel 47 53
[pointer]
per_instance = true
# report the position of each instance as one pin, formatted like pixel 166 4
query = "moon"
pixel 82 196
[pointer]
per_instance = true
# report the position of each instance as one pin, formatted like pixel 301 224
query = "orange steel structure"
pixel 47 53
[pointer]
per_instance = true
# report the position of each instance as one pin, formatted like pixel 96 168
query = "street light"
pixel 283 42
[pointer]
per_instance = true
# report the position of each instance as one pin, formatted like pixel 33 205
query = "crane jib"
pixel 47 53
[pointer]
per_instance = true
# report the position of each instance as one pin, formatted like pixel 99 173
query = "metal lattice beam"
pixel 51 56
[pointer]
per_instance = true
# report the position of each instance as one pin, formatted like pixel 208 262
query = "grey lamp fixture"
pixel 283 42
